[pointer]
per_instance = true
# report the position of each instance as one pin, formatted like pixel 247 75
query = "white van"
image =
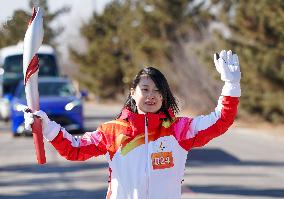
pixel 11 71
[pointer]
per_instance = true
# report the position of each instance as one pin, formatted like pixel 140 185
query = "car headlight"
pixel 4 101
pixel 19 107
pixel 73 104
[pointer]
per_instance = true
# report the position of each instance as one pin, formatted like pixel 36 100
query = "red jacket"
pixel 147 153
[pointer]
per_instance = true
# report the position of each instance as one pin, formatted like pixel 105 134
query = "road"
pixel 242 164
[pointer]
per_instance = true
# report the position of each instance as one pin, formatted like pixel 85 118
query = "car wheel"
pixel 16 135
pixel 28 133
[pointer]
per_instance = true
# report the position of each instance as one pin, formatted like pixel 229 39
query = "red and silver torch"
pixel 32 42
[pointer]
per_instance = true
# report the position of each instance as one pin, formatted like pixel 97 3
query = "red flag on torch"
pixel 32 42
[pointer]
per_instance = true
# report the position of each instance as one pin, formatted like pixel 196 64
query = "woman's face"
pixel 147 96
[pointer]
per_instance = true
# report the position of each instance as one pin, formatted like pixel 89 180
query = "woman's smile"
pixel 147 96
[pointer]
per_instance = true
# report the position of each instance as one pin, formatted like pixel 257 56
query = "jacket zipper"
pixel 147 157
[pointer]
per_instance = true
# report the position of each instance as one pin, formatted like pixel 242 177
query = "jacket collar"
pixel 137 121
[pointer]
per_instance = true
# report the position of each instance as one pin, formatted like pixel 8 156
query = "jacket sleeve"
pixel 204 128
pixel 82 147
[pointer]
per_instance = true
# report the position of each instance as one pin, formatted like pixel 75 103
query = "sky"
pixel 80 11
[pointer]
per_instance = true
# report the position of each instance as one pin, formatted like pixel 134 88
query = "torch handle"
pixel 38 140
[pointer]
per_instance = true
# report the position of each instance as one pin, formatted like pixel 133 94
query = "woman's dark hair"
pixel 169 102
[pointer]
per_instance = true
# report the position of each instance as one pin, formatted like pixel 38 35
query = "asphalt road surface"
pixel 242 164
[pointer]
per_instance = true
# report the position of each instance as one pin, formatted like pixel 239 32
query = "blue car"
pixel 58 98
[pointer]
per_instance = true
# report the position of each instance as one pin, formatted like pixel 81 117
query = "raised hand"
pixel 227 64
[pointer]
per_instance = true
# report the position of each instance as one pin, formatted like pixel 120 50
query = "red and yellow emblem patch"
pixel 162 160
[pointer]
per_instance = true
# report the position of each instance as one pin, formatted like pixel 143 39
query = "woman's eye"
pixel 144 89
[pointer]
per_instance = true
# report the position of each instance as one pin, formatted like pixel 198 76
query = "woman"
pixel 147 145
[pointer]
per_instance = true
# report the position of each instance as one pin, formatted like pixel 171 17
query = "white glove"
pixel 227 64
pixel 50 129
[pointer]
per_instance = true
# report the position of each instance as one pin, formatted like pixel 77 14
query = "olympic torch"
pixel 32 42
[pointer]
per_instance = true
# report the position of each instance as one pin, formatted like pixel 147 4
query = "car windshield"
pixel 14 65
pixel 58 89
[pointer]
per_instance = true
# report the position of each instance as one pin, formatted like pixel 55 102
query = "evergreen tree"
pixel 132 34
pixel 14 29
pixel 257 35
